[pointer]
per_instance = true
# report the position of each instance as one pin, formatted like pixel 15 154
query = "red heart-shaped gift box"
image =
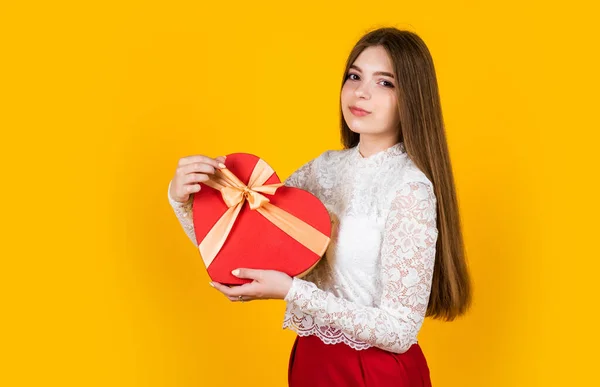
pixel 254 241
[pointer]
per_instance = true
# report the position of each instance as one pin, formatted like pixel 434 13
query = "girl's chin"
pixel 361 129
pixel 369 133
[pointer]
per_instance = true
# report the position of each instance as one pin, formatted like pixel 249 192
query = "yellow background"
pixel 100 286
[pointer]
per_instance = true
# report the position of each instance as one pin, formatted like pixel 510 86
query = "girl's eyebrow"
pixel 386 74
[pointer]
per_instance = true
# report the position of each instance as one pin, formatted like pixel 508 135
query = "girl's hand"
pixel 191 171
pixel 267 284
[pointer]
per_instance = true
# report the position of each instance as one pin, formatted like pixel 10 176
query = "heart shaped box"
pixel 255 242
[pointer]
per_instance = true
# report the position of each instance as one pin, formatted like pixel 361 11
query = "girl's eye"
pixel 385 83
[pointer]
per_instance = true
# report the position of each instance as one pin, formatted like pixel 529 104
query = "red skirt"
pixel 316 364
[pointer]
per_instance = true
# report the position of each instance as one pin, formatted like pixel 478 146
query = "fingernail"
pixel 211 284
pixel 236 272
pixel 221 165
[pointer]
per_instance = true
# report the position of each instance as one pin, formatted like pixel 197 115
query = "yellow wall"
pixel 101 287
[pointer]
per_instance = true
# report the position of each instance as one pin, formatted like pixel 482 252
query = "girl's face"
pixel 371 86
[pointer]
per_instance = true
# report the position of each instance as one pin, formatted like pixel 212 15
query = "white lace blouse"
pixel 371 289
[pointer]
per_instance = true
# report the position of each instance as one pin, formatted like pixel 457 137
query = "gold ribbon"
pixel 235 193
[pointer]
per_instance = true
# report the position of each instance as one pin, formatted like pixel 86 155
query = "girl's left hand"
pixel 267 284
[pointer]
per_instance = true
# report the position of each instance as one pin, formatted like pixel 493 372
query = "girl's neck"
pixel 370 145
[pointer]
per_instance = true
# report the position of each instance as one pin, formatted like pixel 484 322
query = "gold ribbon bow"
pixel 235 193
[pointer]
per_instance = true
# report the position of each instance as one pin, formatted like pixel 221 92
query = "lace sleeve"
pixel 183 211
pixel 301 177
pixel 407 260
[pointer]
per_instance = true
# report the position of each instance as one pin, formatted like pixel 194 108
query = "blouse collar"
pixel 380 157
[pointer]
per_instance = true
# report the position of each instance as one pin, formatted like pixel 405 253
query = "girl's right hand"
pixel 190 172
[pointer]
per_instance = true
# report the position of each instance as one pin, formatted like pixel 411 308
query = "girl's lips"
pixel 358 112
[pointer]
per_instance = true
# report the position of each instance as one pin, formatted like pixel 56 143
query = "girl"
pixel 396 252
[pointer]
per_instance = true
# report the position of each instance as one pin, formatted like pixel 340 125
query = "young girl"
pixel 396 252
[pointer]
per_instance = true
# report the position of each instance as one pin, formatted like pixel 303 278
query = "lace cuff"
pixel 183 211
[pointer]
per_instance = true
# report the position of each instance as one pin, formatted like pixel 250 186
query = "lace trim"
pixel 327 334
